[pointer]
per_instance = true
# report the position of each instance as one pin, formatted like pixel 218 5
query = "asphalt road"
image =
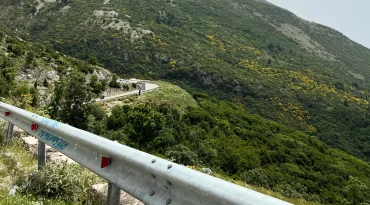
pixel 148 87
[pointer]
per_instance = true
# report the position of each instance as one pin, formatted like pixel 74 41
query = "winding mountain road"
pixel 148 88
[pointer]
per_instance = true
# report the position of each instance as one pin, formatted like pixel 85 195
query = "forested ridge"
pixel 277 87
pixel 299 73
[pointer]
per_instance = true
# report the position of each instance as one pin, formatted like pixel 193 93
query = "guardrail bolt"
pixel 152 193
pixel 168 201
pixel 169 166
pixel 154 160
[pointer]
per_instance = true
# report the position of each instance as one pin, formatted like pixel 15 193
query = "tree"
pixel 104 85
pixel 17 49
pixel 23 96
pixel 30 57
pixel 36 84
pixel 182 155
pixel 346 102
pixel 57 100
pixel 93 60
pixel 142 123
pixel 269 61
pixel 33 10
pixel 71 100
pixel 7 76
pixel 113 83
pixel 355 191
pixel 22 89
pixel 35 97
pixel 95 85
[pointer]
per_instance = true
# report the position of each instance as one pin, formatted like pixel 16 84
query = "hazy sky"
pixel 350 17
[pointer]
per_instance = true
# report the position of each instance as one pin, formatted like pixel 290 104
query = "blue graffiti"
pixel 51 123
pixel 53 140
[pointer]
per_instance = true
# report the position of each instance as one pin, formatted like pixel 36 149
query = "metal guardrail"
pixel 150 179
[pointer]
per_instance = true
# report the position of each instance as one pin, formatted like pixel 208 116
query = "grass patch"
pixel 60 181
pixel 15 164
pixel 56 184
pixel 167 93
pixel 172 94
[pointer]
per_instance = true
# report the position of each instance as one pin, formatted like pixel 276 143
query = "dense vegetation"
pixel 25 69
pixel 227 138
pixel 231 50
pixel 191 130
pixel 238 50
pixel 231 141
pixel 56 184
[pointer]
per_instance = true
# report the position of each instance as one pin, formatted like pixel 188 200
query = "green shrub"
pixel 2 131
pixel 182 155
pixel 133 85
pixel 16 49
pixel 256 177
pixel 113 83
pixel 60 181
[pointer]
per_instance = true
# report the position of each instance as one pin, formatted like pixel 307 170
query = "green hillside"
pixel 193 130
pixel 276 85
pixel 28 72
pixel 299 73
pixel 235 143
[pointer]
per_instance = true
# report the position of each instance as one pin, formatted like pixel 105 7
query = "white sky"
pixel 350 17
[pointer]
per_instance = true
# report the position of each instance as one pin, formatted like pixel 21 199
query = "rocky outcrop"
pixel 31 75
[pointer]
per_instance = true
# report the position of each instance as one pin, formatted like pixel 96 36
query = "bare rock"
pixel 207 171
pixel 99 196
pixel 59 157
pixel 53 65
pixel 31 144
pixel 17 132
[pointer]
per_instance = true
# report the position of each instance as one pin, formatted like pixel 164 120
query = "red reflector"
pixel 105 161
pixel 7 113
pixel 34 126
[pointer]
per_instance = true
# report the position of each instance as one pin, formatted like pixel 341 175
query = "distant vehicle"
pixel 102 97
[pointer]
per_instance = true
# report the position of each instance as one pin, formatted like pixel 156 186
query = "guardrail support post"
pixel 41 157
pixel 10 132
pixel 114 194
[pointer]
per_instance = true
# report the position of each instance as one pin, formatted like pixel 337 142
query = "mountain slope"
pixel 302 74
pixel 231 141
pixel 195 130
pixel 28 72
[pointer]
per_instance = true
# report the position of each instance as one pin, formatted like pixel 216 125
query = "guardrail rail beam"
pixel 152 180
